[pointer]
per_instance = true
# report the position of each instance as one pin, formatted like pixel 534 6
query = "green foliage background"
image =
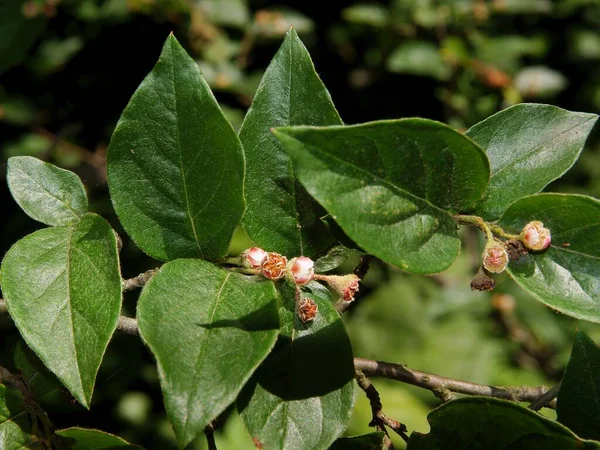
pixel 68 68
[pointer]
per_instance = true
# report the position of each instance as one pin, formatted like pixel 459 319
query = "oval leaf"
pixel 16 429
pixel 528 146
pixel 392 186
pixel 63 290
pixel 191 314
pixel 566 276
pixel 578 402
pixel 46 193
pixel 335 257
pixel 303 394
pixel 175 165
pixel 87 439
pixel 281 216
pixel 486 423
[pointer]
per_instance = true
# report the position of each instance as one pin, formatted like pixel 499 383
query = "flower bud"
pixel 307 309
pixel 346 285
pixel 302 269
pixel 495 257
pixel 535 236
pixel 273 266
pixel 253 257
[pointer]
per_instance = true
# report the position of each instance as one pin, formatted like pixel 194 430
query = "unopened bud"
pixel 273 266
pixel 307 309
pixel 346 285
pixel 253 257
pixel 535 236
pixel 302 269
pixel 495 257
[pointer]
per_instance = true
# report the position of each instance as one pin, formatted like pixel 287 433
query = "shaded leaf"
pixel 335 257
pixel 36 376
pixel 578 402
pixel 175 165
pixel 371 441
pixel 19 31
pixel 303 394
pixel 281 216
pixel 566 276
pixel 488 423
pixel 16 429
pixel 209 329
pixel 418 58
pixel 528 145
pixel 46 193
pixel 392 186
pixel 88 439
pixel 63 291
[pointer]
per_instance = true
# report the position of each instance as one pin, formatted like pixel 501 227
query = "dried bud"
pixel 482 281
pixel 516 249
pixel 307 309
pixel 302 269
pixel 253 257
pixel 535 236
pixel 273 266
pixel 346 285
pixel 495 257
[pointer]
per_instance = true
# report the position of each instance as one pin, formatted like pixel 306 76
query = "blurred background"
pixel 69 67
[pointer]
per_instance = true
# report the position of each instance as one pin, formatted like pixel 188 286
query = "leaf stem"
pixel 490 229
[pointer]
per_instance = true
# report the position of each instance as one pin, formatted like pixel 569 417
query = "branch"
pixel 546 398
pixel 442 387
pixel 139 281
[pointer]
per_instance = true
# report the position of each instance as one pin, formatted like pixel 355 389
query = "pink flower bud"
pixel 535 236
pixel 274 266
pixel 495 257
pixel 253 257
pixel 307 309
pixel 346 285
pixel 302 269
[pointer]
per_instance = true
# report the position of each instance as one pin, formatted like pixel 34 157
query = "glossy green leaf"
pixel 63 291
pixel 37 377
pixel 281 216
pixel 488 423
pixel 209 329
pixel 335 257
pixel 392 186
pixel 302 396
pixel 175 165
pixel 45 192
pixel 19 32
pixel 371 441
pixel 578 402
pixel 88 439
pixel 16 429
pixel 566 276
pixel 528 146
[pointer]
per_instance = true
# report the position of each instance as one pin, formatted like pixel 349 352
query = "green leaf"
pixel 88 439
pixel 392 186
pixel 488 423
pixel 281 216
pixel 303 394
pixel 175 165
pixel 418 58
pixel 46 193
pixel 370 441
pixel 16 430
pixel 63 290
pixel 39 380
pixel 18 31
pixel 335 257
pixel 209 329
pixel 566 276
pixel 578 402
pixel 528 146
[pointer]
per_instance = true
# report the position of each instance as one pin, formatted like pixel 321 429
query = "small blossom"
pixel 535 236
pixel 346 285
pixel 253 257
pixel 302 269
pixel 495 257
pixel 307 309
pixel 274 266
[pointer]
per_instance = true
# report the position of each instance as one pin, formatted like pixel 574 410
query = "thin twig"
pixel 138 281
pixel 546 398
pixel 442 386
pixel 380 420
pixel 3 308
pixel 128 325
pixel 210 436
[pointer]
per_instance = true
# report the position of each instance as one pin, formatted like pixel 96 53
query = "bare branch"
pixel 128 325
pixel 139 281
pixel 442 386
pixel 546 398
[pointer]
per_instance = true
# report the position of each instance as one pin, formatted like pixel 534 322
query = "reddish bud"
pixel 495 257
pixel 307 309
pixel 273 266
pixel 302 269
pixel 535 236
pixel 253 257
pixel 346 285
